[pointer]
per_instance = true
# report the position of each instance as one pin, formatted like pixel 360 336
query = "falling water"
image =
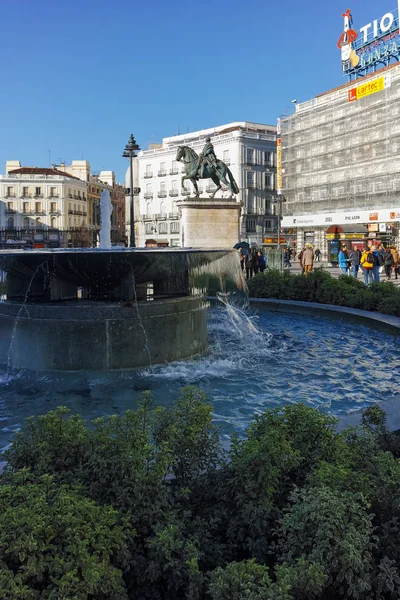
pixel 106 209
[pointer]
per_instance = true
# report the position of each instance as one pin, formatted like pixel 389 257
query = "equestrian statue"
pixel 206 166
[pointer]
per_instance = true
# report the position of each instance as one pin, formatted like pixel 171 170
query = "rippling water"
pixel 256 360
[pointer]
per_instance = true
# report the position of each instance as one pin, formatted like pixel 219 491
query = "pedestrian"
pixel 317 254
pixel 308 259
pixel 254 258
pixel 249 265
pixel 300 257
pixel 343 261
pixel 286 258
pixel 395 255
pixel 355 258
pixel 389 262
pixel 378 263
pixel 367 265
pixel 262 262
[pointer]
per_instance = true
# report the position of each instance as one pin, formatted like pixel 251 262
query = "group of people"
pixel 253 262
pixel 372 261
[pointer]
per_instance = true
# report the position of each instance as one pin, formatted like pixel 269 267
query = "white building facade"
pixel 248 149
pixel 38 205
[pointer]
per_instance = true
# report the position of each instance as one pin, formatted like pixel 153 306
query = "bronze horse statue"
pixel 220 174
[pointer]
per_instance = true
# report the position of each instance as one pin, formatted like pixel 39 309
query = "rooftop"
pixel 40 171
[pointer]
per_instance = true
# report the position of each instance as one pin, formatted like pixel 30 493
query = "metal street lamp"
pixel 130 152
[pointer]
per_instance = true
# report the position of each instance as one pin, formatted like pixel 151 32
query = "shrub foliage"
pixel 321 287
pixel 148 505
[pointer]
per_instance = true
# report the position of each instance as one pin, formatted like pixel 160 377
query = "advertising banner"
pixel 366 89
pixel 279 165
pixel 385 215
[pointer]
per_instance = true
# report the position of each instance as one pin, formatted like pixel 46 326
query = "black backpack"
pixel 370 258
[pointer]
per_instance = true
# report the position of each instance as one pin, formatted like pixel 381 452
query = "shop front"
pixel 350 236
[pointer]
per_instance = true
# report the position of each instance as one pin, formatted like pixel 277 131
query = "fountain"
pixel 106 308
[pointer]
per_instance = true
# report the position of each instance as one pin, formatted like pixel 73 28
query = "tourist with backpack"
pixel 367 264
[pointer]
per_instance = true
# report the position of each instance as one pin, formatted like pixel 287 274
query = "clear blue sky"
pixel 78 76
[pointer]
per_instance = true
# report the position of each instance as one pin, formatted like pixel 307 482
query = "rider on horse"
pixel 207 158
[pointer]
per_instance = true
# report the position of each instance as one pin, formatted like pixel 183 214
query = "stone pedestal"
pixel 209 223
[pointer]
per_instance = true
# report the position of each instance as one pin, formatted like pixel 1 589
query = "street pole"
pixel 130 152
pixel 279 223
pixel 132 211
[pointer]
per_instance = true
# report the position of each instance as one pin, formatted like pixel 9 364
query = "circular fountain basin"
pixel 256 361
pixel 96 309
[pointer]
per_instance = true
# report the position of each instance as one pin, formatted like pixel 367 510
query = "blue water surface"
pixel 256 360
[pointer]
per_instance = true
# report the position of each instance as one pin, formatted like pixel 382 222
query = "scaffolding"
pixel 343 156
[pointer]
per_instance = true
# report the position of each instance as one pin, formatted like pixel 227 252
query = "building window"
pixel 162 209
pixel 25 223
pixel 225 157
pixel 38 207
pixel 53 192
pixel 149 227
pixel 174 169
pixel 250 156
pixel 251 225
pixel 251 203
pixel 38 191
pixel 53 207
pixel 174 227
pixel 25 192
pixel 250 180
pixel 148 210
pixel 148 171
pixel 10 192
pixel 268 181
pixel 10 205
pixel 10 223
pixel 53 222
pixel 25 207
pixel 149 191
pixel 268 225
pixel 163 227
pixel 162 170
pixel 268 158
pixel 174 243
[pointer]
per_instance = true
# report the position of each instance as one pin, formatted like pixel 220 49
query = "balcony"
pixel 70 212
pixel 173 193
pixel 146 217
pixel 162 173
pixel 40 212
pixel 53 196
pixel 10 196
pixel 148 195
pixel 173 215
pixel 147 175
pixel 26 196
pixel 56 213
pixel 10 211
pixel 251 162
pixel 27 212
pixel 251 186
pixel 162 194
pixel 38 196
pixel 174 171
pixel 160 216
pixel 69 195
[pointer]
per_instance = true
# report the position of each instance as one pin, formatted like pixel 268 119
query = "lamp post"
pixel 130 152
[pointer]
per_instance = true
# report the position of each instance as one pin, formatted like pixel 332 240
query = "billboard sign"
pixel 372 47
pixel 371 87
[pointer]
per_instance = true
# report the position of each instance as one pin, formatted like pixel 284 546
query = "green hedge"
pixel 321 287
pixel 148 506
